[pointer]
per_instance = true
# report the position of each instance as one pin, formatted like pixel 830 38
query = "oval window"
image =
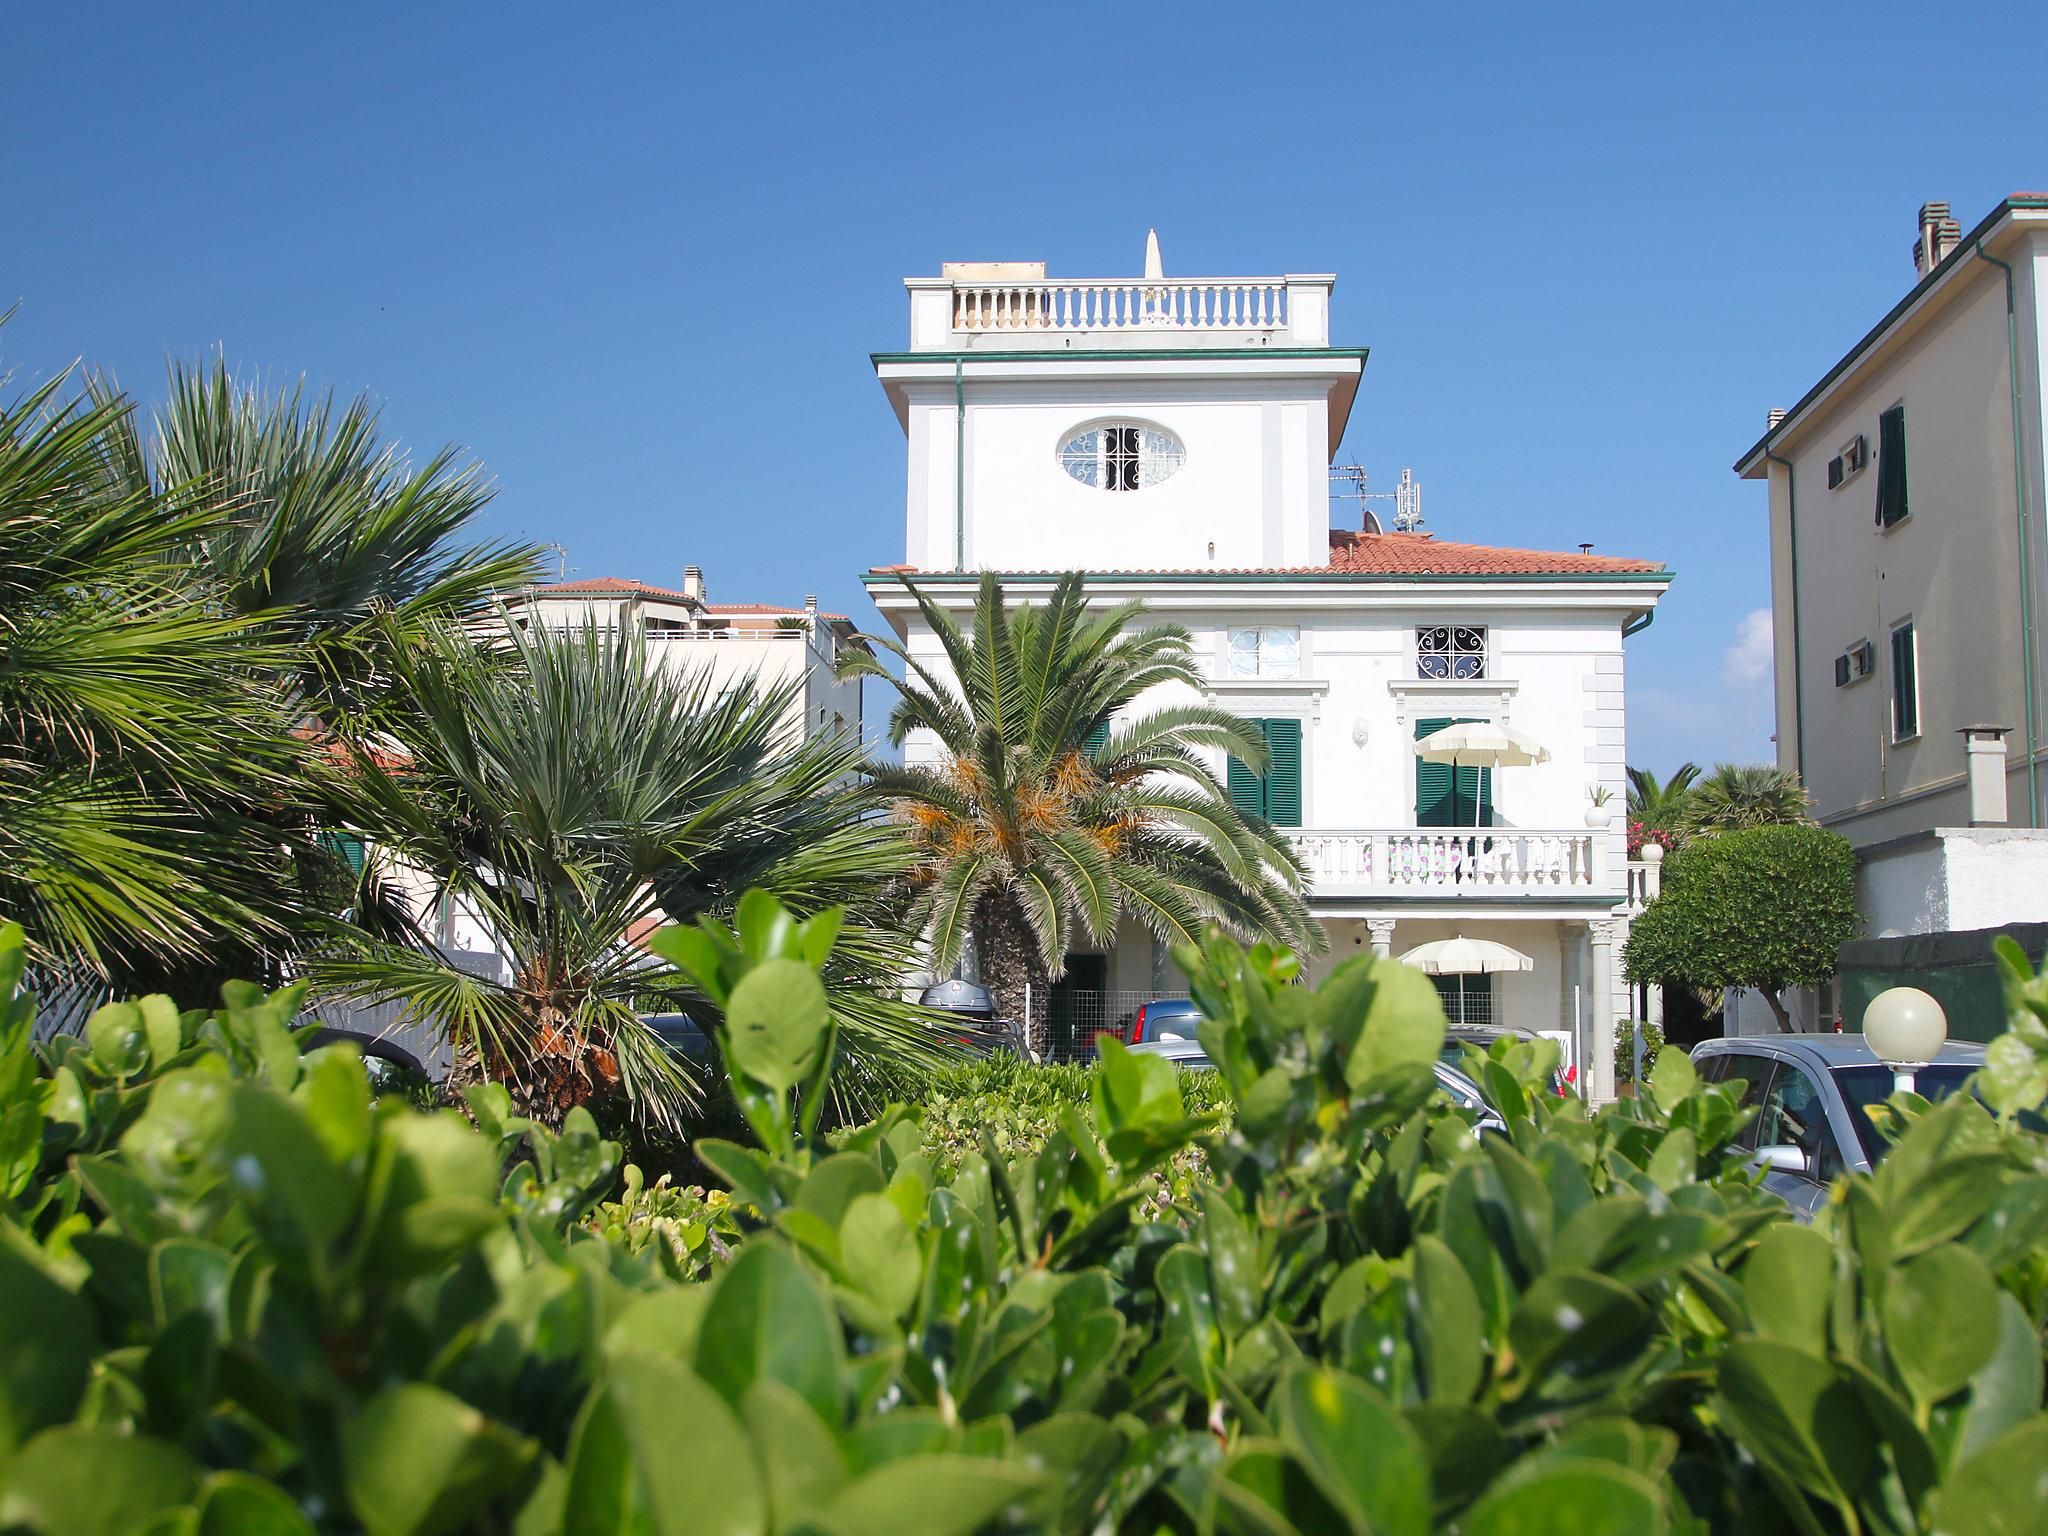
pixel 1122 456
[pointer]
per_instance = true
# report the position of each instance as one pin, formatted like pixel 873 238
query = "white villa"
pixel 1173 438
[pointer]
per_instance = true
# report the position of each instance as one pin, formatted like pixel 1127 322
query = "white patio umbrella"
pixel 1480 744
pixel 1462 957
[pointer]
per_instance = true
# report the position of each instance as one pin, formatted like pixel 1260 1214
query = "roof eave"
pixel 1750 465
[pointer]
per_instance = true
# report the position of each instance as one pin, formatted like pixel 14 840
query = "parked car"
pixel 1164 1018
pixel 681 1034
pixel 1813 1092
pixel 1463 1091
pixel 971 1019
pixel 1481 1038
pixel 391 1068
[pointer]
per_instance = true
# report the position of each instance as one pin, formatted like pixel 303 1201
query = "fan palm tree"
pixel 1660 805
pixel 1746 795
pixel 348 548
pixel 135 717
pixel 572 793
pixel 1059 808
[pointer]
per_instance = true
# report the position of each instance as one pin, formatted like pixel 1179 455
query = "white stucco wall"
pixel 1955 880
pixel 1253 489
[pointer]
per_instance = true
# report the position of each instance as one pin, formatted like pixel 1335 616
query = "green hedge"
pixel 240 1296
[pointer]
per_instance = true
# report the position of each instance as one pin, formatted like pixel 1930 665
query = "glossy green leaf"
pixel 1446 1325
pixel 880 1253
pixel 1357 1447
pixel 800 1458
pixel 767 1321
pixel 91 1480
pixel 1586 1498
pixel 657 1452
pixel 46 1349
pixel 421 1461
pixel 775 1023
pixel 932 1495
pixel 1941 1321
pixel 1796 1415
pixel 2000 1491
pixel 236 1504
pixel 1786 1284
pixel 1403 1023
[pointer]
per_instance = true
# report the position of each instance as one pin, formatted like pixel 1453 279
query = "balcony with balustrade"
pixel 1013 306
pixel 1479 865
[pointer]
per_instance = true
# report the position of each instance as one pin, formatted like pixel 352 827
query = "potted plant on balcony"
pixel 1597 798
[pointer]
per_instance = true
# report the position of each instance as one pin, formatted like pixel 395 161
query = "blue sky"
pixel 635 257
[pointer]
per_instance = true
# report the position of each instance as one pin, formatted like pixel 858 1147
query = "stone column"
pixel 1382 931
pixel 1599 1083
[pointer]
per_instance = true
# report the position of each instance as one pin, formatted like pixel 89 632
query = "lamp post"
pixel 1906 1029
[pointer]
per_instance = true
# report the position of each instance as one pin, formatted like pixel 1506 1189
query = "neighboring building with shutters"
pixel 1909 595
pixel 1173 438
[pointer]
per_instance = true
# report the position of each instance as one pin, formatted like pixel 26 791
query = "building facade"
pixel 1172 438
pixel 1908 596
pixel 733 643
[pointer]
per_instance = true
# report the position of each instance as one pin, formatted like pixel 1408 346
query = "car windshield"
pixel 1864 1086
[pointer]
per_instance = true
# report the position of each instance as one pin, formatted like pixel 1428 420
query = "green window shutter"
pixel 1283 773
pixel 1905 684
pixel 345 846
pixel 1891 466
pixel 1247 789
pixel 1444 797
pixel 1097 738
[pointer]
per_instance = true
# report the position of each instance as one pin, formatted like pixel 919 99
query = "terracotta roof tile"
pixel 1393 554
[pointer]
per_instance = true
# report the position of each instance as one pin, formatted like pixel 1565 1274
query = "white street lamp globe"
pixel 1905 1027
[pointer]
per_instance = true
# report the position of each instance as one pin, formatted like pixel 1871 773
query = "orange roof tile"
pixel 1392 554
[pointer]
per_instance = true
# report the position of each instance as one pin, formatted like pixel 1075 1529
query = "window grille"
pixel 1451 651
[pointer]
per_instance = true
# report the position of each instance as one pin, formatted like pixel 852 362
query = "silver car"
pixel 1463 1091
pixel 1812 1093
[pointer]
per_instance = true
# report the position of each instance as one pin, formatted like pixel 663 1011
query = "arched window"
pixel 1122 456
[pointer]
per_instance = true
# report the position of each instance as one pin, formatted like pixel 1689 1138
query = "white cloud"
pixel 1748 660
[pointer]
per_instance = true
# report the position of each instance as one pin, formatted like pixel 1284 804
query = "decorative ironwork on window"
pixel 1122 456
pixel 1451 650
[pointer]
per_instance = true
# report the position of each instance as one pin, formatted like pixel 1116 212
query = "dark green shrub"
pixel 239 1295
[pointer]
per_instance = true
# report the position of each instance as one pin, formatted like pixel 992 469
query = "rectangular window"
pixel 1905 683
pixel 1467 999
pixel 1450 650
pixel 1275 794
pixel 1891 467
pixel 1269 651
pixel 1447 796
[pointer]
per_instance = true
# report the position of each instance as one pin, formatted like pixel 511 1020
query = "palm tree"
pixel 1657 805
pixel 573 794
pixel 1059 808
pixel 1746 795
pixel 346 547
pixel 134 719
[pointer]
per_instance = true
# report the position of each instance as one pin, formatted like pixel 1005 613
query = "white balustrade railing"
pixel 1124 304
pixel 1469 863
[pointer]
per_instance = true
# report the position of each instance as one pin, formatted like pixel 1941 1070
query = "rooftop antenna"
pixel 1348 483
pixel 1408 504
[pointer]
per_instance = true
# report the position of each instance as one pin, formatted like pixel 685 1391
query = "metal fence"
pixel 1079 1014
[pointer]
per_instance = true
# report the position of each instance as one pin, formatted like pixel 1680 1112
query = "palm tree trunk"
pixel 1012 968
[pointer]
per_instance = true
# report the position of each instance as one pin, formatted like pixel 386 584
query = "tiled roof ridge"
pixel 1389 554
pixel 622 584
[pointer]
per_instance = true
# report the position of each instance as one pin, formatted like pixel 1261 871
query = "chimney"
pixel 811 608
pixel 1939 234
pixel 1984 753
pixel 693 583
pixel 1775 419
